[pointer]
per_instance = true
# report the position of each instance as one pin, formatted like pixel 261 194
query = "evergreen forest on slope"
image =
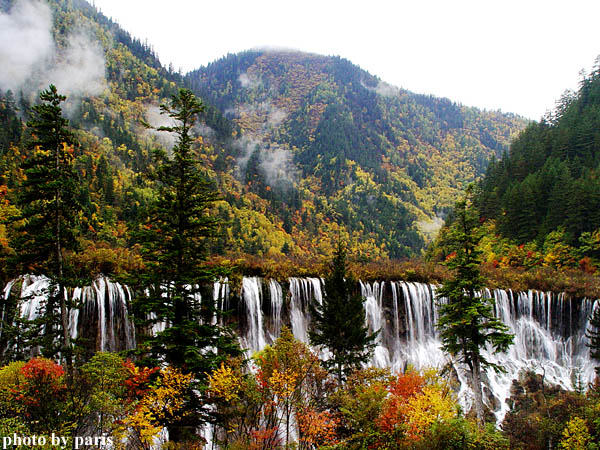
pixel 539 205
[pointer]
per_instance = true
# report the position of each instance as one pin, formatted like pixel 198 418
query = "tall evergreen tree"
pixel 174 243
pixel 339 322
pixel 48 202
pixel 467 323
pixel 593 335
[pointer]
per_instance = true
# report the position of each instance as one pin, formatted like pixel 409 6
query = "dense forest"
pixel 539 204
pixel 280 163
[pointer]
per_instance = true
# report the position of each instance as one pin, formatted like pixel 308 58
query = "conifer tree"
pixel 339 322
pixel 174 242
pixel 49 213
pixel 593 335
pixel 466 322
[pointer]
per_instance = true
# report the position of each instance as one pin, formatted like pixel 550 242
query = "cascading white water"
pixel 221 296
pixel 299 298
pixel 254 338
pixel 99 313
pixel 552 344
pixel 421 347
pixel 276 296
pixel 373 303
pixel 303 291
pixel 107 301
pixel 549 333
pixel 549 329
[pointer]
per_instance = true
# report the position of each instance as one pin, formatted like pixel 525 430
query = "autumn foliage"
pixel 42 392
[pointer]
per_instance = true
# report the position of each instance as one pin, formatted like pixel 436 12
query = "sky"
pixel 518 56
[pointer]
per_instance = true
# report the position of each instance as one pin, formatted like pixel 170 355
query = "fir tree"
pixel 49 211
pixel 593 334
pixel 339 322
pixel 174 243
pixel 467 323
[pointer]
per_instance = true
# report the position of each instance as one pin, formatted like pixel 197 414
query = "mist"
pixel 384 89
pixel 275 164
pixel 156 120
pixel 31 59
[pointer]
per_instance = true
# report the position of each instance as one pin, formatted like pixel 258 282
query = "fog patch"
pixel 156 120
pixel 275 116
pixel 275 164
pixel 249 81
pixel 204 130
pixel 245 146
pixel 384 89
pixel 26 43
pixel 31 60
pixel 79 69
pixel 387 90
pixel 278 167
pixel 430 228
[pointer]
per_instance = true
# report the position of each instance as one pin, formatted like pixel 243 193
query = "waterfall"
pixel 549 331
pixel 221 297
pixel 373 295
pixel 420 347
pixel 99 312
pixel 276 296
pixel 303 291
pixel 254 339
pixel 549 328
pixel 104 303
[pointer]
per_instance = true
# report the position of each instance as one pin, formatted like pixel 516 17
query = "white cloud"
pixel 278 167
pixel 249 81
pixel 31 60
pixel 156 119
pixel 26 43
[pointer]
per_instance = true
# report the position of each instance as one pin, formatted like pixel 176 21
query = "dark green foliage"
pixel 48 192
pixel 10 124
pixel 339 322
pixel 49 212
pixel 466 322
pixel 550 177
pixel 174 243
pixel 593 334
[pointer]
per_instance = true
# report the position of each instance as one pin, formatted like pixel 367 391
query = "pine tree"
pixel 593 335
pixel 467 323
pixel 174 242
pixel 339 322
pixel 48 202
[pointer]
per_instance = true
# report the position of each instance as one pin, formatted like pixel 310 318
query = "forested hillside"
pixel 187 230
pixel 327 143
pixel 114 84
pixel 302 148
pixel 544 195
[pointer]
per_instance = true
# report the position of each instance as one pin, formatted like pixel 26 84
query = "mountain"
pixel 324 135
pixel 303 148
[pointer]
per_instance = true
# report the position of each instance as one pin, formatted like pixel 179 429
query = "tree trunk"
pixel 476 382
pixel 66 351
